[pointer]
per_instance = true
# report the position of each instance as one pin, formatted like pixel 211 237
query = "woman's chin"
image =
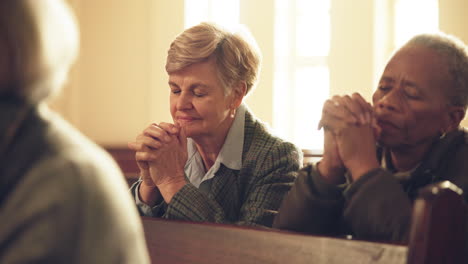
pixel 386 140
pixel 191 133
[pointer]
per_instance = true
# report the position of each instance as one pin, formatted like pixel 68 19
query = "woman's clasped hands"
pixel 161 154
pixel 350 135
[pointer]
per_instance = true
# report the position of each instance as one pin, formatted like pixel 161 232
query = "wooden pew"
pixel 438 232
pixel 184 242
pixel 437 236
pixel 125 158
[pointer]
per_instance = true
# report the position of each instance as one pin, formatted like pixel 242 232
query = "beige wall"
pixel 453 19
pixel 119 84
pixel 261 25
pixel 351 52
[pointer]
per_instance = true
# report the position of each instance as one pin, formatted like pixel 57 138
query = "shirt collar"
pixel 231 152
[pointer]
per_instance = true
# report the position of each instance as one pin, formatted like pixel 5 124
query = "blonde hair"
pixel 454 51
pixel 41 38
pixel 236 54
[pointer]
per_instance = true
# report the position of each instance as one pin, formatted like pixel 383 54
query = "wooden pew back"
pixel 438 235
pixel 185 242
pixel 438 232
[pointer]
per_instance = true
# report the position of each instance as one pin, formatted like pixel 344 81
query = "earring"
pixel 442 136
pixel 233 113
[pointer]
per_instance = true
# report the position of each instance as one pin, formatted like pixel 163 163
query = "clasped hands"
pixel 161 154
pixel 350 132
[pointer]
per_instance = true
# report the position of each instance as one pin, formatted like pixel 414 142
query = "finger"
pixel 331 123
pixel 145 143
pixel 365 106
pixel 336 110
pixel 145 156
pixel 132 145
pixel 169 128
pixel 183 138
pixel 156 132
pixel 354 108
pixel 142 165
pixel 377 129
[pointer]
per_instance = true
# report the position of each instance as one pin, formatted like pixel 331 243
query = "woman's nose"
pixel 390 101
pixel 184 101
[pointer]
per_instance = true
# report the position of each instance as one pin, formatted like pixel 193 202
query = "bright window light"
pixel 301 80
pixel 413 17
pixel 312 28
pixel 312 89
pixel 222 12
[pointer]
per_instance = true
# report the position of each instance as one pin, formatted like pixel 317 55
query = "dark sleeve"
pixel 377 208
pixel 262 198
pixel 312 205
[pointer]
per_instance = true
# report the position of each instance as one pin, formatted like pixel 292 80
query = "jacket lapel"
pixel 225 190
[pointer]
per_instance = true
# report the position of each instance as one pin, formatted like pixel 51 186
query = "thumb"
pixel 376 128
pixel 143 165
pixel 182 136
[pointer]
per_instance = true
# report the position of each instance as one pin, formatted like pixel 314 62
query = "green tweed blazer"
pixel 249 196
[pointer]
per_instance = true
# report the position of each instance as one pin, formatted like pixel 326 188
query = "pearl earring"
pixel 443 135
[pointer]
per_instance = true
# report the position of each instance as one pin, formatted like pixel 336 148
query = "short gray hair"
pixel 41 39
pixel 455 53
pixel 236 53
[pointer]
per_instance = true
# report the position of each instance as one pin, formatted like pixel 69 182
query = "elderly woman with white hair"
pixel 216 162
pixel 376 158
pixel 55 200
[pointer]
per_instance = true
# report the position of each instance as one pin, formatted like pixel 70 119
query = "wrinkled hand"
pixel 161 150
pixel 331 166
pixel 352 123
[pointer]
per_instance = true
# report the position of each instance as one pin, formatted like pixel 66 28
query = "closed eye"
pixel 199 94
pixel 412 95
pixel 384 88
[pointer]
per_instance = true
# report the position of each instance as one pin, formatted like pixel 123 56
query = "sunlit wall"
pixel 119 84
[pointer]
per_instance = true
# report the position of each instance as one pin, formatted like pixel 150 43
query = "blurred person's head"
pixel 38 44
pixel 423 91
pixel 210 70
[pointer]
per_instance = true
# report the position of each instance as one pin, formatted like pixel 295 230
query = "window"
pixel 302 43
pixel 302 38
pixel 301 79
pixel 413 17
pixel 222 12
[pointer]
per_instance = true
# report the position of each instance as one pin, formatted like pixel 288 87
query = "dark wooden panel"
pixel 438 232
pixel 125 158
pixel 311 156
pixel 184 242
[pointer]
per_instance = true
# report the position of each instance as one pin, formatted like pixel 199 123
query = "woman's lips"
pixel 185 119
pixel 387 125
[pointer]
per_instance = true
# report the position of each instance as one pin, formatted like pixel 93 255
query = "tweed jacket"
pixel 377 206
pixel 249 196
pixel 70 204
